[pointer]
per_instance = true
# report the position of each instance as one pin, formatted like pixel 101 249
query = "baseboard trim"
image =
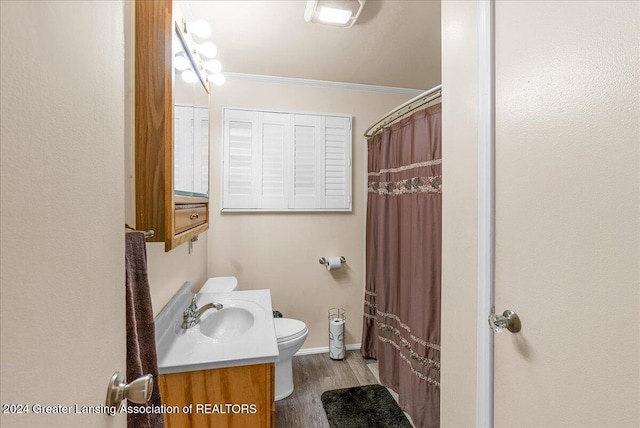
pixel 325 349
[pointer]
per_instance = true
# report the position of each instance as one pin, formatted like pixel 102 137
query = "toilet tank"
pixel 220 284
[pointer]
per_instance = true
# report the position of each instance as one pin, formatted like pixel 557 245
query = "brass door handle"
pixel 194 216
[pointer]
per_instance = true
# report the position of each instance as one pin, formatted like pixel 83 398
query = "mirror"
pixel 191 124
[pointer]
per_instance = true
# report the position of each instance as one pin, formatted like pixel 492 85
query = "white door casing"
pixel 486 211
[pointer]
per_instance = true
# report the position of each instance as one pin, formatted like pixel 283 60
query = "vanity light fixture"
pixel 201 54
pixel 176 47
pixel 189 76
pixel 341 13
pixel 217 78
pixel 200 28
pixel 180 62
pixel 207 49
pixel 214 66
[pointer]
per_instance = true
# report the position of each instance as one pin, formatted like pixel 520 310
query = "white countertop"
pixel 181 350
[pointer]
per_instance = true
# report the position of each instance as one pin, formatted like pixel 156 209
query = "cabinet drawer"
pixel 188 216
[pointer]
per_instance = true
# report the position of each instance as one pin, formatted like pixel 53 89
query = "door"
pixel 567 213
pixel 62 211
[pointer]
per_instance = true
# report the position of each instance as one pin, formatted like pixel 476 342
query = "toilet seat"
pixel 289 329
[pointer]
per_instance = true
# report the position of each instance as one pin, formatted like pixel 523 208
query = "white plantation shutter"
pixel 274 173
pixel 183 149
pixel 201 150
pixel 305 192
pixel 337 165
pixel 240 159
pixel 286 161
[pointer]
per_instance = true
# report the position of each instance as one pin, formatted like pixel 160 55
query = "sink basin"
pixel 227 323
pixel 241 333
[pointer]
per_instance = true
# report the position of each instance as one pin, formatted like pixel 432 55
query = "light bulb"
pixel 333 15
pixel 207 49
pixel 181 63
pixel 176 47
pixel 200 28
pixel 217 78
pixel 214 66
pixel 189 76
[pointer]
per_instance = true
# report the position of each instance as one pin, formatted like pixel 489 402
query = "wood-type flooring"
pixel 314 374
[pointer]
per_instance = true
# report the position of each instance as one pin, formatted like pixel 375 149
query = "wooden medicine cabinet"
pixel 171 129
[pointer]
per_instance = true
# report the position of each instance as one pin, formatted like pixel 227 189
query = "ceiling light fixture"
pixel 341 13
pixel 334 16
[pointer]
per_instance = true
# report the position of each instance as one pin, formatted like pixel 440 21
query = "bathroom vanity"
pixel 241 396
pixel 220 372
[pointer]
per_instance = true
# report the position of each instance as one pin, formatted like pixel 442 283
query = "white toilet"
pixel 220 284
pixel 291 334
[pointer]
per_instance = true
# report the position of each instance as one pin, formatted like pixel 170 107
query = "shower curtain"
pixel 403 258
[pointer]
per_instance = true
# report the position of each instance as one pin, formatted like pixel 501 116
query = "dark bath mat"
pixel 368 406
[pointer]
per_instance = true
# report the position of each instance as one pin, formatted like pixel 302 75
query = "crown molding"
pixel 322 83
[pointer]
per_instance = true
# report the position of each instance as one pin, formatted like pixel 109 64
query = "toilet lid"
pixel 220 284
pixel 288 329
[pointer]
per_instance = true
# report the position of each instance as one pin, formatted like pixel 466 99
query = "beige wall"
pixel 169 271
pixel 280 251
pixel 62 210
pixel 459 213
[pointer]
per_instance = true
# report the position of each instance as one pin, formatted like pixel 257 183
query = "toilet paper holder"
pixel 325 261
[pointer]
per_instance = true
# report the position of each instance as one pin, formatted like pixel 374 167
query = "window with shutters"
pixel 278 161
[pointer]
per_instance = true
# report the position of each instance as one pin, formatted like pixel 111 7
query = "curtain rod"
pixel 403 109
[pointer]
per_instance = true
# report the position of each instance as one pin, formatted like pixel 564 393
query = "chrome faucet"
pixel 191 315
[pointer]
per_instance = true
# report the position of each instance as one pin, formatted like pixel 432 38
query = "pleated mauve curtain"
pixel 403 261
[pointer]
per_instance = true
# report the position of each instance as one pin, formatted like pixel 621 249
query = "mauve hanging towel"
pixel 141 337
